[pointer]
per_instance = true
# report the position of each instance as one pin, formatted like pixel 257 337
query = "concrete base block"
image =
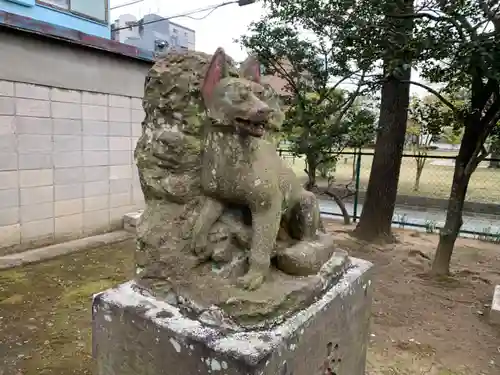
pixel 130 221
pixel 136 334
pixel 495 307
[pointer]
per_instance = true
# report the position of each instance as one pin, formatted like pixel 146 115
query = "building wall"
pixel 66 140
pixel 31 9
pixel 175 35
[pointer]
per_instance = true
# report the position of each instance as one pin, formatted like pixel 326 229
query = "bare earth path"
pixel 419 326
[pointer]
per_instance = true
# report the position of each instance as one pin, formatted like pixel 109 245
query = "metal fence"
pixel 421 200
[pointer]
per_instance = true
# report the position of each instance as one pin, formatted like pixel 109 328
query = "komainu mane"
pixel 228 232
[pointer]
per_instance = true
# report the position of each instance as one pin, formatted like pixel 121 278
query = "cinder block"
pixel 94 98
pixel 33 125
pixel 133 141
pixel 119 143
pixel 35 212
pixel 94 188
pixel 36 177
pixel 64 95
pixel 36 195
pixel 10 235
pixel 67 143
pixel 9 180
pixel 95 143
pixel 116 215
pixel 66 110
pixel 67 126
pixel 68 207
pixel 120 200
pixel 30 91
pixel 137 196
pixel 100 202
pixel 94 113
pixel 70 191
pixel 130 221
pixel 71 225
pixel 7 125
pixel 119 101
pixel 123 129
pixel 35 160
pixel 118 172
pixel 8 161
pixel 10 216
pixel 65 176
pixel 95 221
pixel 9 198
pixel 136 129
pixel 37 230
pixel 96 173
pixel 120 186
pixel 7 105
pixel 95 128
pixel 119 114
pixel 68 159
pixel 6 88
pixel 137 116
pixel 30 143
pixel 495 306
pixel 95 158
pixel 120 158
pixel 8 143
pixel 32 107
pixel 136 103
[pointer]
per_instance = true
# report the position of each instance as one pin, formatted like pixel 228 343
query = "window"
pixel 93 9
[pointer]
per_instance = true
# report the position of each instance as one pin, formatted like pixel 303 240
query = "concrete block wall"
pixel 66 163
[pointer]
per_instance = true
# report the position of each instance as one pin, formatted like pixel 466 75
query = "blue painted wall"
pixel 28 8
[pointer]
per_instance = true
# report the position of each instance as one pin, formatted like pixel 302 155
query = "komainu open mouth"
pixel 255 129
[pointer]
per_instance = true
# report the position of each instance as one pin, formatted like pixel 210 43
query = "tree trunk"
pixel 461 177
pixel 378 208
pixel 420 168
pixel 311 167
pixel 451 229
pixel 336 198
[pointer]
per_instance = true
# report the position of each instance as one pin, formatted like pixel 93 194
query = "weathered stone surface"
pixel 495 306
pixel 221 205
pixel 135 333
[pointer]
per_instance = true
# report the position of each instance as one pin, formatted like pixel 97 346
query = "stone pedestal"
pixel 137 334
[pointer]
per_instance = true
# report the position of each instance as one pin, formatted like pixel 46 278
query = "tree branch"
pixel 434 92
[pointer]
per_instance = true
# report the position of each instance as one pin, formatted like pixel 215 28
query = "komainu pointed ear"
pixel 216 71
pixel 250 69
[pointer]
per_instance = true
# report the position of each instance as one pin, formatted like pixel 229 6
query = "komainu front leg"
pixel 305 218
pixel 265 225
pixel 209 214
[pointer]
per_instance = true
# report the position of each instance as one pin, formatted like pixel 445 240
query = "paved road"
pixel 472 223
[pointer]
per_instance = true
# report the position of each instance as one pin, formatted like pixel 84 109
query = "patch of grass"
pixel 46 309
pixel 435 181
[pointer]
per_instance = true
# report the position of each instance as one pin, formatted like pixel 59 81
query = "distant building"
pixel 89 17
pixel 152 32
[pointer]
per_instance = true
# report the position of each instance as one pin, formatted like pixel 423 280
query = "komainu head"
pixel 241 102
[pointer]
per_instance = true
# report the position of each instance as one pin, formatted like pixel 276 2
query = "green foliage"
pixel 318 120
pixel 428 117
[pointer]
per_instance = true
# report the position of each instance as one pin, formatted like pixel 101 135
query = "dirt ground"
pixel 419 326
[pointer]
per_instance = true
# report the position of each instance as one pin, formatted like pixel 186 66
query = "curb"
pixel 53 251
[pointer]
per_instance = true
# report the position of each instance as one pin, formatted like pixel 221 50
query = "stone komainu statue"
pixel 220 202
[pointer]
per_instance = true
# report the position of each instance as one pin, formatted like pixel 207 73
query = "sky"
pixel 219 29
